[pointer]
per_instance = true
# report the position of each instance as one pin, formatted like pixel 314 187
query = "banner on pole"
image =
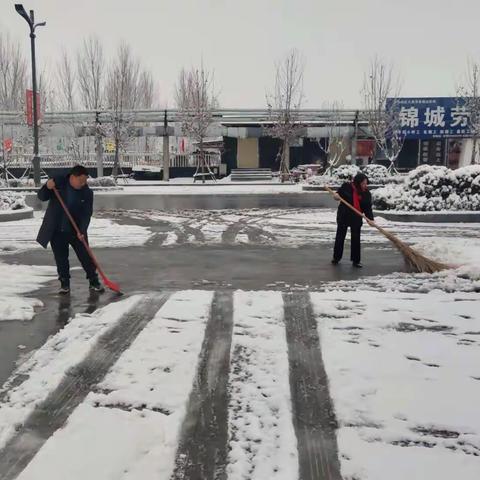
pixel 29 103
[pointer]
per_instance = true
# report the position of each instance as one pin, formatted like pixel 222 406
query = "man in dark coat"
pixel 57 230
pixel 356 194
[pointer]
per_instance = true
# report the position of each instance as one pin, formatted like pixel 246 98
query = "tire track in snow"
pixel 313 415
pixel 202 452
pixel 51 414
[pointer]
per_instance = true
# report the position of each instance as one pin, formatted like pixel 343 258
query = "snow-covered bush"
pixel 102 182
pixel 345 173
pixel 12 200
pixel 433 188
pixel 377 174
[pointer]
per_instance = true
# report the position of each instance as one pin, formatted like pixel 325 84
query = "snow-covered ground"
pixel 15 282
pixel 451 242
pixel 405 380
pixel 18 280
pixel 46 368
pixel 262 440
pixel 400 351
pixel 403 372
pixel 18 236
pixel 129 427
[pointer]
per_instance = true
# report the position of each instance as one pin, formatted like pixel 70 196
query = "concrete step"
pixel 251 174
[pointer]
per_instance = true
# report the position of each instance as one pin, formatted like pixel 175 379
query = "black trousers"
pixel 340 241
pixel 60 243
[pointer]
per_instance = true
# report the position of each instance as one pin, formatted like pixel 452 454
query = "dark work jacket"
pixel 345 216
pixel 81 211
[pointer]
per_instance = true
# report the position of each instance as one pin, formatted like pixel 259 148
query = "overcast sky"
pixel 427 40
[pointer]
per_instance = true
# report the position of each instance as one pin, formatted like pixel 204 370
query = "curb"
pixel 12 215
pixel 430 217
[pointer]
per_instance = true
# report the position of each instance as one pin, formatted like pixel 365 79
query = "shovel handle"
pixel 79 233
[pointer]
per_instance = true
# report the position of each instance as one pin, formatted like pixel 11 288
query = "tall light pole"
pixel 30 19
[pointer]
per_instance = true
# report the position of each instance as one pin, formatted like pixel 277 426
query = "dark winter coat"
pixel 346 216
pixel 81 210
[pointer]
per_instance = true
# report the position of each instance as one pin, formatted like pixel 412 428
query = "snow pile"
pixel 102 182
pixel 432 188
pixel 12 201
pixel 15 282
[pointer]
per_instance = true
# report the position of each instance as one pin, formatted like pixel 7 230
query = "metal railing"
pixel 126 160
pixel 221 116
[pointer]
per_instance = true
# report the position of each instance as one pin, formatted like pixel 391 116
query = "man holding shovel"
pixel 58 229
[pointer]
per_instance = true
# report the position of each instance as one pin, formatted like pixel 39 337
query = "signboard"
pixel 430 117
pixel 109 146
pixel 365 148
pixel 8 145
pixel 29 102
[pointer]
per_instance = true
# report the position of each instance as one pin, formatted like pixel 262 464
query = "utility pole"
pixel 166 149
pixel 354 139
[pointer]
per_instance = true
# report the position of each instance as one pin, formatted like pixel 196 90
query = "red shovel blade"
pixel 111 285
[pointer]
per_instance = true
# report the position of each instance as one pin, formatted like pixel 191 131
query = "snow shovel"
pixel 108 283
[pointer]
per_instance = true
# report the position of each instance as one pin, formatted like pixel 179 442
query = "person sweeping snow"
pixel 57 228
pixel 356 194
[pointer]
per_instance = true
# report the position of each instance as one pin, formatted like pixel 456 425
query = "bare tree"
pixel 382 84
pixel 284 105
pixel 66 81
pixel 196 100
pixel 122 95
pixel 334 145
pixel 13 82
pixel 91 85
pixel 66 94
pixel 146 95
pixel 13 74
pixel 91 74
pixel 146 90
pixel 469 93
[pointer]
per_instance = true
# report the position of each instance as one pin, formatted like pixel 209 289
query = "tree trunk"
pixel 286 150
pixel 116 158
pixel 202 159
pixel 474 150
pixel 166 158
pixel 99 153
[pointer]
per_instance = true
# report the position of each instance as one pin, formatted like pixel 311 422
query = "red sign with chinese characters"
pixel 29 102
pixel 8 145
pixel 365 148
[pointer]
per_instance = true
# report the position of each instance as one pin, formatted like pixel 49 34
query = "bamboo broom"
pixel 413 258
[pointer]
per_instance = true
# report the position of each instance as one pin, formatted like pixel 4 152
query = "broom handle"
pixel 358 212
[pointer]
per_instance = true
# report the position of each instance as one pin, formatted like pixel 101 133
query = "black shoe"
pixel 96 286
pixel 357 265
pixel 335 262
pixel 64 288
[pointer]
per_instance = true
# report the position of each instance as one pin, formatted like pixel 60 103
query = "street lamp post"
pixel 30 19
